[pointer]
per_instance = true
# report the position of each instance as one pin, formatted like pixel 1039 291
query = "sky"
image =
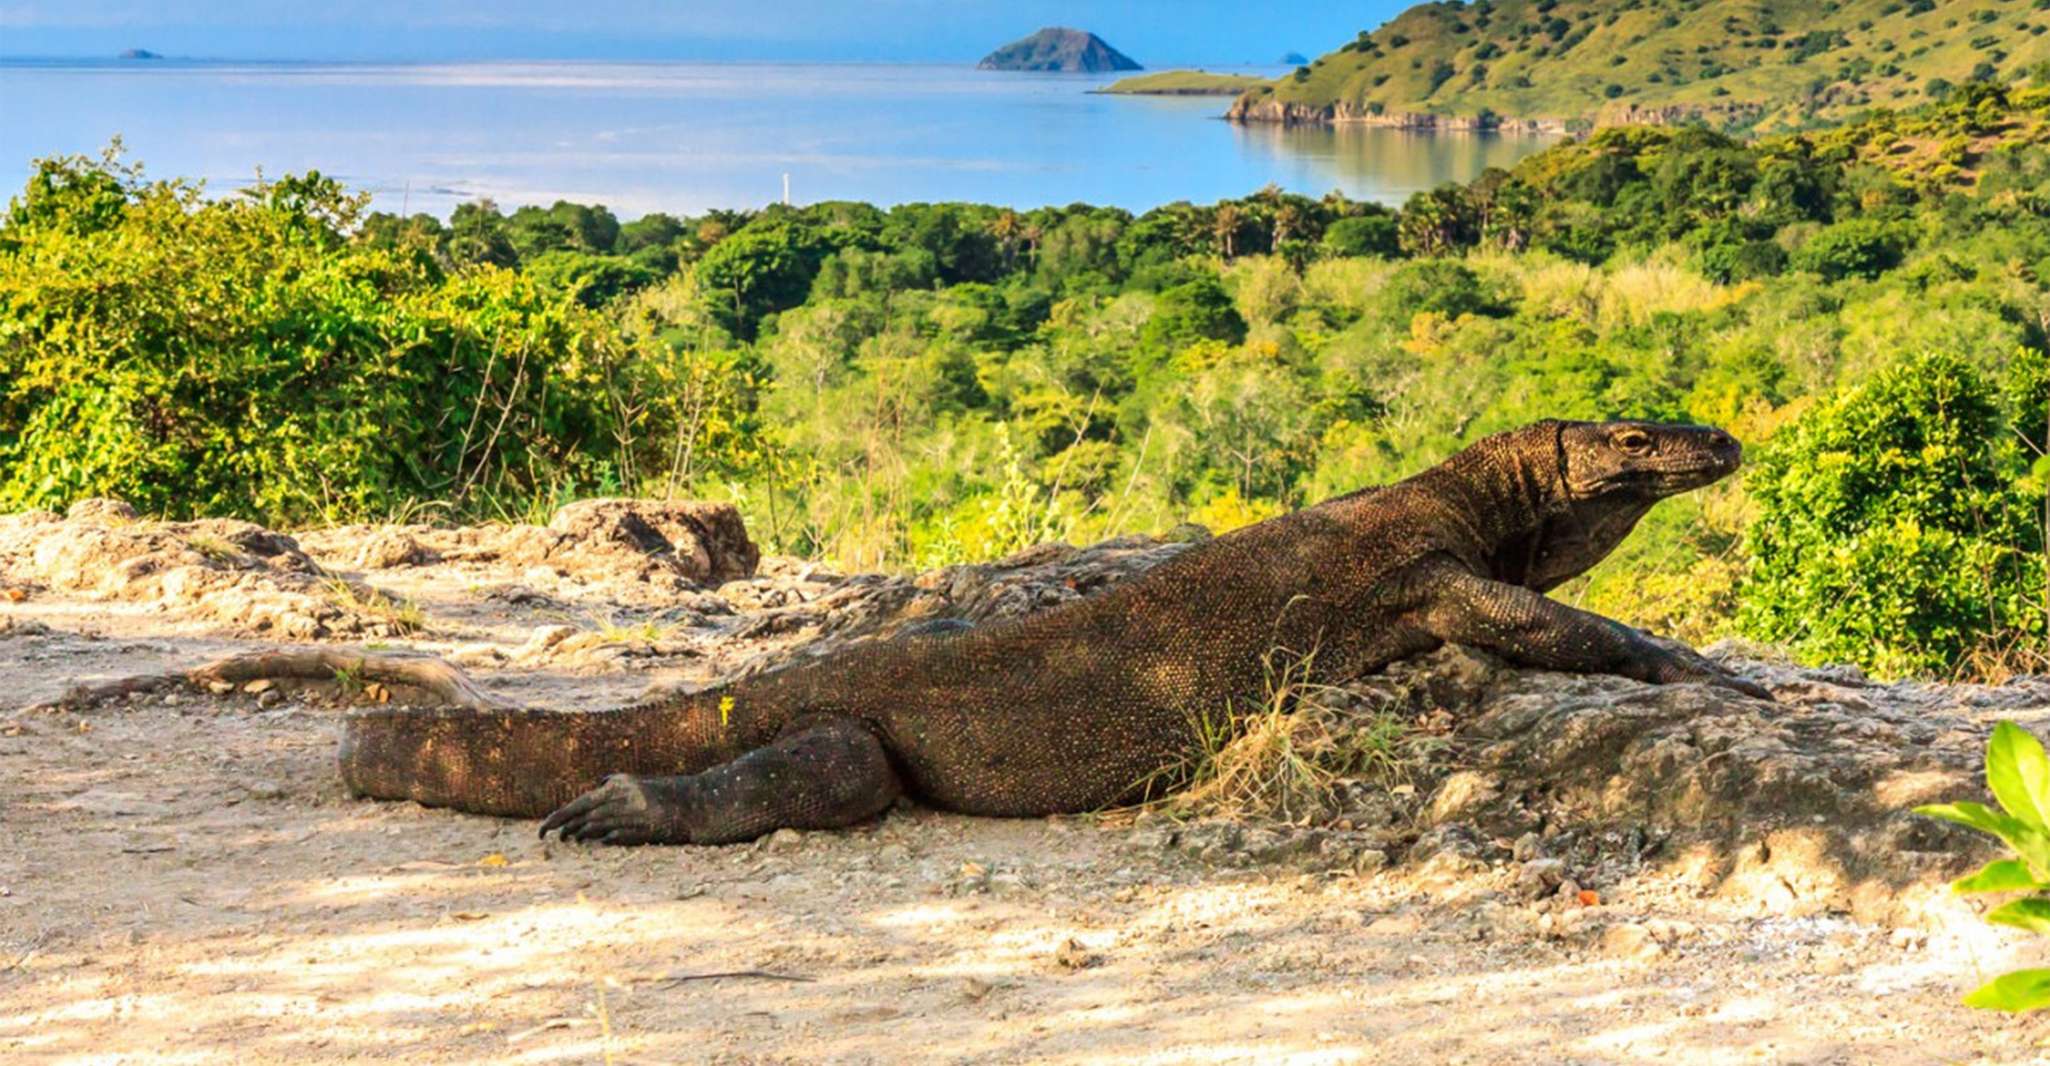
pixel 1155 32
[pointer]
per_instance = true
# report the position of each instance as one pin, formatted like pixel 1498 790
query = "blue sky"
pixel 1155 32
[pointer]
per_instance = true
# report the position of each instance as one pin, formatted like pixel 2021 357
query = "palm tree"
pixel 1224 225
pixel 1287 222
pixel 1007 228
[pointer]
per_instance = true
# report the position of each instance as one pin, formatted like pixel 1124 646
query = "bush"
pixel 1861 247
pixel 1365 235
pixel 237 357
pixel 1441 286
pixel 1893 529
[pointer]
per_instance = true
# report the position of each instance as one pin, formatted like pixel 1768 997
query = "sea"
pixel 684 137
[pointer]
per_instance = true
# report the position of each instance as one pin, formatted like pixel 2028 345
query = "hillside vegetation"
pixel 1768 64
pixel 1868 308
pixel 1184 83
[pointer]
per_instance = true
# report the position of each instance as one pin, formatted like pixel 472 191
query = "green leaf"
pixel 2030 844
pixel 2032 914
pixel 2019 774
pixel 2018 991
pixel 2000 875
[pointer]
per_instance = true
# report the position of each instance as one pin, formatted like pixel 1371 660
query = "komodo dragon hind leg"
pixel 821 773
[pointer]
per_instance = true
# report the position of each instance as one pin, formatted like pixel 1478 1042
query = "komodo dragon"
pixel 1083 705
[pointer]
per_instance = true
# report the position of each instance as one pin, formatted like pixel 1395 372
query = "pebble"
pixel 1526 847
pixel 1630 941
pixel 1538 877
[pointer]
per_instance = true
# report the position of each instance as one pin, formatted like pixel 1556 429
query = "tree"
pixel 1224 225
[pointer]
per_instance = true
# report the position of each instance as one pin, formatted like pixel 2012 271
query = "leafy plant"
pixel 2018 773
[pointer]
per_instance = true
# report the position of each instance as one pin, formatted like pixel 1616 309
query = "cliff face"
pixel 1254 106
pixel 1059 50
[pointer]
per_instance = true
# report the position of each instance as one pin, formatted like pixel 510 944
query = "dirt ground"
pixel 186 881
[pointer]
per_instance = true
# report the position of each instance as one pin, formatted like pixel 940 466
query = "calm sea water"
pixel 683 137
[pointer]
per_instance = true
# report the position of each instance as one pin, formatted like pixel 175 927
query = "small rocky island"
pixel 140 53
pixel 1059 50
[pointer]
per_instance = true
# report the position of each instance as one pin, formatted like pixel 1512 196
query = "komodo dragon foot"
pixel 820 774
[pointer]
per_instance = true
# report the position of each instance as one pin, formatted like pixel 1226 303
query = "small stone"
pixel 545 637
pixel 259 686
pixel 974 989
pixel 1630 941
pixel 1075 955
pixel 786 839
pixel 269 697
pixel 172 699
pixel 1526 847
pixel 1462 795
pixel 1905 939
pixel 1536 878
pixel 1369 860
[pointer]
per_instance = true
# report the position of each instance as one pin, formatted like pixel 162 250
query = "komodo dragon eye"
pixel 1636 442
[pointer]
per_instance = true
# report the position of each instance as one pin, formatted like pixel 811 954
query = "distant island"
pixel 1184 83
pixel 140 53
pixel 1294 59
pixel 1061 50
pixel 1553 64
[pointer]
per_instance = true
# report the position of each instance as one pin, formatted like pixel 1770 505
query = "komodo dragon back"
pixel 1083 705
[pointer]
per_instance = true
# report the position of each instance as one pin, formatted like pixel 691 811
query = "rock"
pixel 1369 860
pixel 1540 877
pixel 786 839
pixel 101 509
pixel 1462 794
pixel 1526 847
pixel 388 549
pixel 706 542
pixel 545 637
pixel 259 686
pixel 1630 941
pixel 1075 955
pixel 269 698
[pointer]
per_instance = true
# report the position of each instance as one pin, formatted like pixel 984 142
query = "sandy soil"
pixel 185 881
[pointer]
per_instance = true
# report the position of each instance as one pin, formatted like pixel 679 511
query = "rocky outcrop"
pixel 237 574
pixel 641 551
pixel 1714 115
pixel 1257 106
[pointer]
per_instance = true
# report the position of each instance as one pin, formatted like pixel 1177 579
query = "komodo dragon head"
pixel 1606 476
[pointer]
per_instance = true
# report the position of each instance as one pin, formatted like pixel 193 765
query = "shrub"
pixel 1860 247
pixel 237 357
pixel 1893 529
pixel 1364 235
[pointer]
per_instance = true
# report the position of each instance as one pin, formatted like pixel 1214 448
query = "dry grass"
pixel 2002 657
pixel 1290 757
pixel 212 549
pixel 404 616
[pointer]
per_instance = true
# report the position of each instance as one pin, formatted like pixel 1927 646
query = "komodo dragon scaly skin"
pixel 1083 706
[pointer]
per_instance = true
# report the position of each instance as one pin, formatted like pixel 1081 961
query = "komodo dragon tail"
pixel 508 761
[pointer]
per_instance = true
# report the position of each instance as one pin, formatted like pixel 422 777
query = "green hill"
pixel 1184 83
pixel 1766 64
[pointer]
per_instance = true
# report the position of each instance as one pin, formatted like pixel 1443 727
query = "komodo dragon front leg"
pixel 1532 629
pixel 820 773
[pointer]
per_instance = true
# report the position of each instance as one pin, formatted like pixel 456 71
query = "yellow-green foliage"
pixel 1183 83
